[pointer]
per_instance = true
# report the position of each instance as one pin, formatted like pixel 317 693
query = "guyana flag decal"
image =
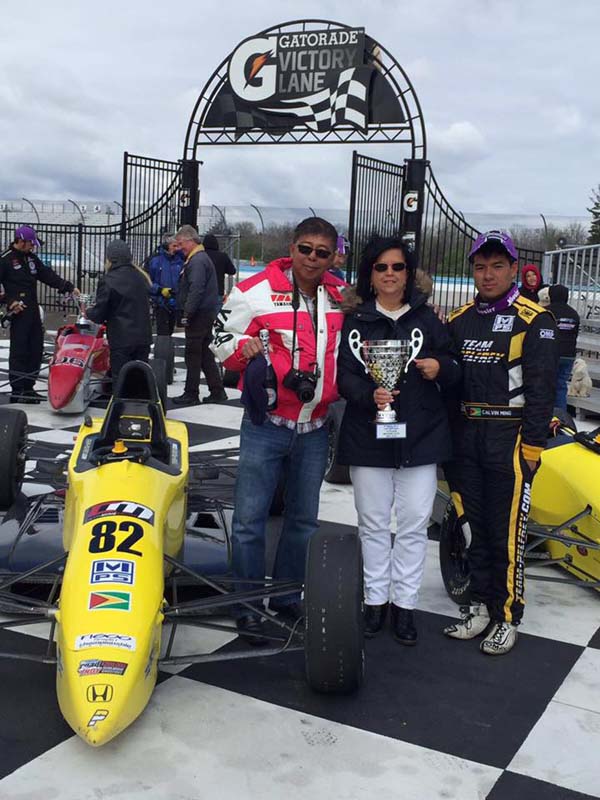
pixel 114 601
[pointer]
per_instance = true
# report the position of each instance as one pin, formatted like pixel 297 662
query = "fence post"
pixel 413 192
pixel 123 234
pixel 352 222
pixel 188 196
pixel 79 264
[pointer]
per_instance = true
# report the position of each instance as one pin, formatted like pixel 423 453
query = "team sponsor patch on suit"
pixel 118 640
pixel 546 333
pixel 95 666
pixel 503 324
pixel 111 601
pixel 108 570
pixel 119 508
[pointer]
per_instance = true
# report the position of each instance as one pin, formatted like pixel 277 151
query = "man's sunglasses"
pixel 398 267
pixel 320 252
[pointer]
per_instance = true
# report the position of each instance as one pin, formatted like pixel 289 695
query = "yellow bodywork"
pixel 120 518
pixel 568 481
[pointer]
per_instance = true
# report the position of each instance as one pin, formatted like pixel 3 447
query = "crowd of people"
pixel 477 400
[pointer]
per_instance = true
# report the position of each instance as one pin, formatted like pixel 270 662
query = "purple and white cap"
pixel 28 234
pixel 500 237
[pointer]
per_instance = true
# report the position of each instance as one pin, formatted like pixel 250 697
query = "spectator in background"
pixel 222 262
pixel 20 271
pixel 342 250
pixel 531 282
pixel 164 269
pixel 122 304
pixel 198 302
pixel 567 322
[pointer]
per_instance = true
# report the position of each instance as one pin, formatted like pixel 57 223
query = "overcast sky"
pixel 508 88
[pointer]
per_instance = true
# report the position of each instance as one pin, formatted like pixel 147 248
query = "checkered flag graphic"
pixel 322 110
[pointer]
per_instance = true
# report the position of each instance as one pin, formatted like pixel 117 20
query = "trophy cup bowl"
pixel 385 360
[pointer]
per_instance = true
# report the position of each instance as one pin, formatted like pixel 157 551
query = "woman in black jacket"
pixel 122 302
pixel 401 471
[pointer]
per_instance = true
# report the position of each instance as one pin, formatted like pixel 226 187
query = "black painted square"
pixel 511 786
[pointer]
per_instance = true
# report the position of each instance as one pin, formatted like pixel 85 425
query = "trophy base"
pixel 390 430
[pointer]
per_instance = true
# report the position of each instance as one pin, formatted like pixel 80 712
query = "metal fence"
pixel 579 269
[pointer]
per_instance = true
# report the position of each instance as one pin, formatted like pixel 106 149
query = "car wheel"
pixel 163 349
pixel 334 472
pixel 333 602
pixel 454 563
pixel 13 444
pixel 159 368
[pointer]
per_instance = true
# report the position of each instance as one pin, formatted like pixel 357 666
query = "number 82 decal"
pixel 104 540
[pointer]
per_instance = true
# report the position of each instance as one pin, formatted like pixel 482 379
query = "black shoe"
pixel 375 617
pixel 23 397
pixel 186 399
pixel 34 397
pixel 293 611
pixel 216 397
pixel 250 629
pixel 403 625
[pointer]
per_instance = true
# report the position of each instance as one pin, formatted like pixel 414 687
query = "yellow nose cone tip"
pixel 119 447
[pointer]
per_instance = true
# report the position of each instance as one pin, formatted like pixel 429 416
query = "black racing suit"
pixel 499 422
pixel 19 274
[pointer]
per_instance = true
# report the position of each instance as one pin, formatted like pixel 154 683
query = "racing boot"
pixel 500 639
pixel 473 622
pixel 403 625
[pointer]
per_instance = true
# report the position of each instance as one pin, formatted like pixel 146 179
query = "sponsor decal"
pixel 113 601
pixel 119 508
pixel 411 201
pixel 503 324
pixel 99 693
pixel 478 351
pixel 70 360
pixel 95 666
pixel 32 266
pixel 546 333
pixel 99 715
pixel 118 640
pixel 107 570
pixel 280 300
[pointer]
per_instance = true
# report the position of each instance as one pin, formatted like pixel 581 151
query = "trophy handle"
pixel 416 341
pixel 355 344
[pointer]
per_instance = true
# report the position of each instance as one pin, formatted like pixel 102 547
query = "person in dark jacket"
pixel 396 471
pixel 509 356
pixel 198 303
pixel 531 282
pixel 222 263
pixel 20 271
pixel 122 304
pixel 567 322
pixel 164 269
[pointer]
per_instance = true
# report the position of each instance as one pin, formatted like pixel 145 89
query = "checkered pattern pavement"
pixel 439 720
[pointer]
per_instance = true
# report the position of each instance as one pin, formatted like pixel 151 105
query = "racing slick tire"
pixel 333 607
pixel 164 349
pixel 454 563
pixel 334 472
pixel 159 368
pixel 13 441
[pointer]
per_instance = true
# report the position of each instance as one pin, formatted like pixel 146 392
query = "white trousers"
pixel 393 572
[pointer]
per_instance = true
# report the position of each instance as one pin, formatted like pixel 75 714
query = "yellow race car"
pixel 564 518
pixel 115 579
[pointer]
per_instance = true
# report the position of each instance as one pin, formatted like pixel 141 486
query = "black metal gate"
pixel 389 199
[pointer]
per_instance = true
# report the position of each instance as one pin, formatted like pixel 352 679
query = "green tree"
pixel 594 236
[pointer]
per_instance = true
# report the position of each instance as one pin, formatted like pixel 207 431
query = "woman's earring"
pixel 373 290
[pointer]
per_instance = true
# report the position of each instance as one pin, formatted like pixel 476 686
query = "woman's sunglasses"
pixel 320 252
pixel 398 267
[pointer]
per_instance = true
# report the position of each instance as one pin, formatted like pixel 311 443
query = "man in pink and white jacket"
pixel 297 301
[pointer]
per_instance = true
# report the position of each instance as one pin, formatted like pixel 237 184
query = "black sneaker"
pixel 34 397
pixel 403 625
pixel 375 617
pixel 216 397
pixel 186 400
pixel 25 397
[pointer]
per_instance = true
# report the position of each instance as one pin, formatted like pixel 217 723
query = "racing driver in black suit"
pixel 20 270
pixel 509 356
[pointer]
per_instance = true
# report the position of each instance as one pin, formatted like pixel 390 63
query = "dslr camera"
pixel 302 382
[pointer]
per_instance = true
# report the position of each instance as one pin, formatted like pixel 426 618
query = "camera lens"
pixel 306 393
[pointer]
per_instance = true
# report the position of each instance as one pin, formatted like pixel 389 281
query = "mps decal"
pixel 113 571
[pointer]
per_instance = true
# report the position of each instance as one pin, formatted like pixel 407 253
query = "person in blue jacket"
pixel 394 472
pixel 164 269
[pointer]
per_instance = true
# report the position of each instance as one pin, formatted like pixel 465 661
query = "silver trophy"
pixel 385 360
